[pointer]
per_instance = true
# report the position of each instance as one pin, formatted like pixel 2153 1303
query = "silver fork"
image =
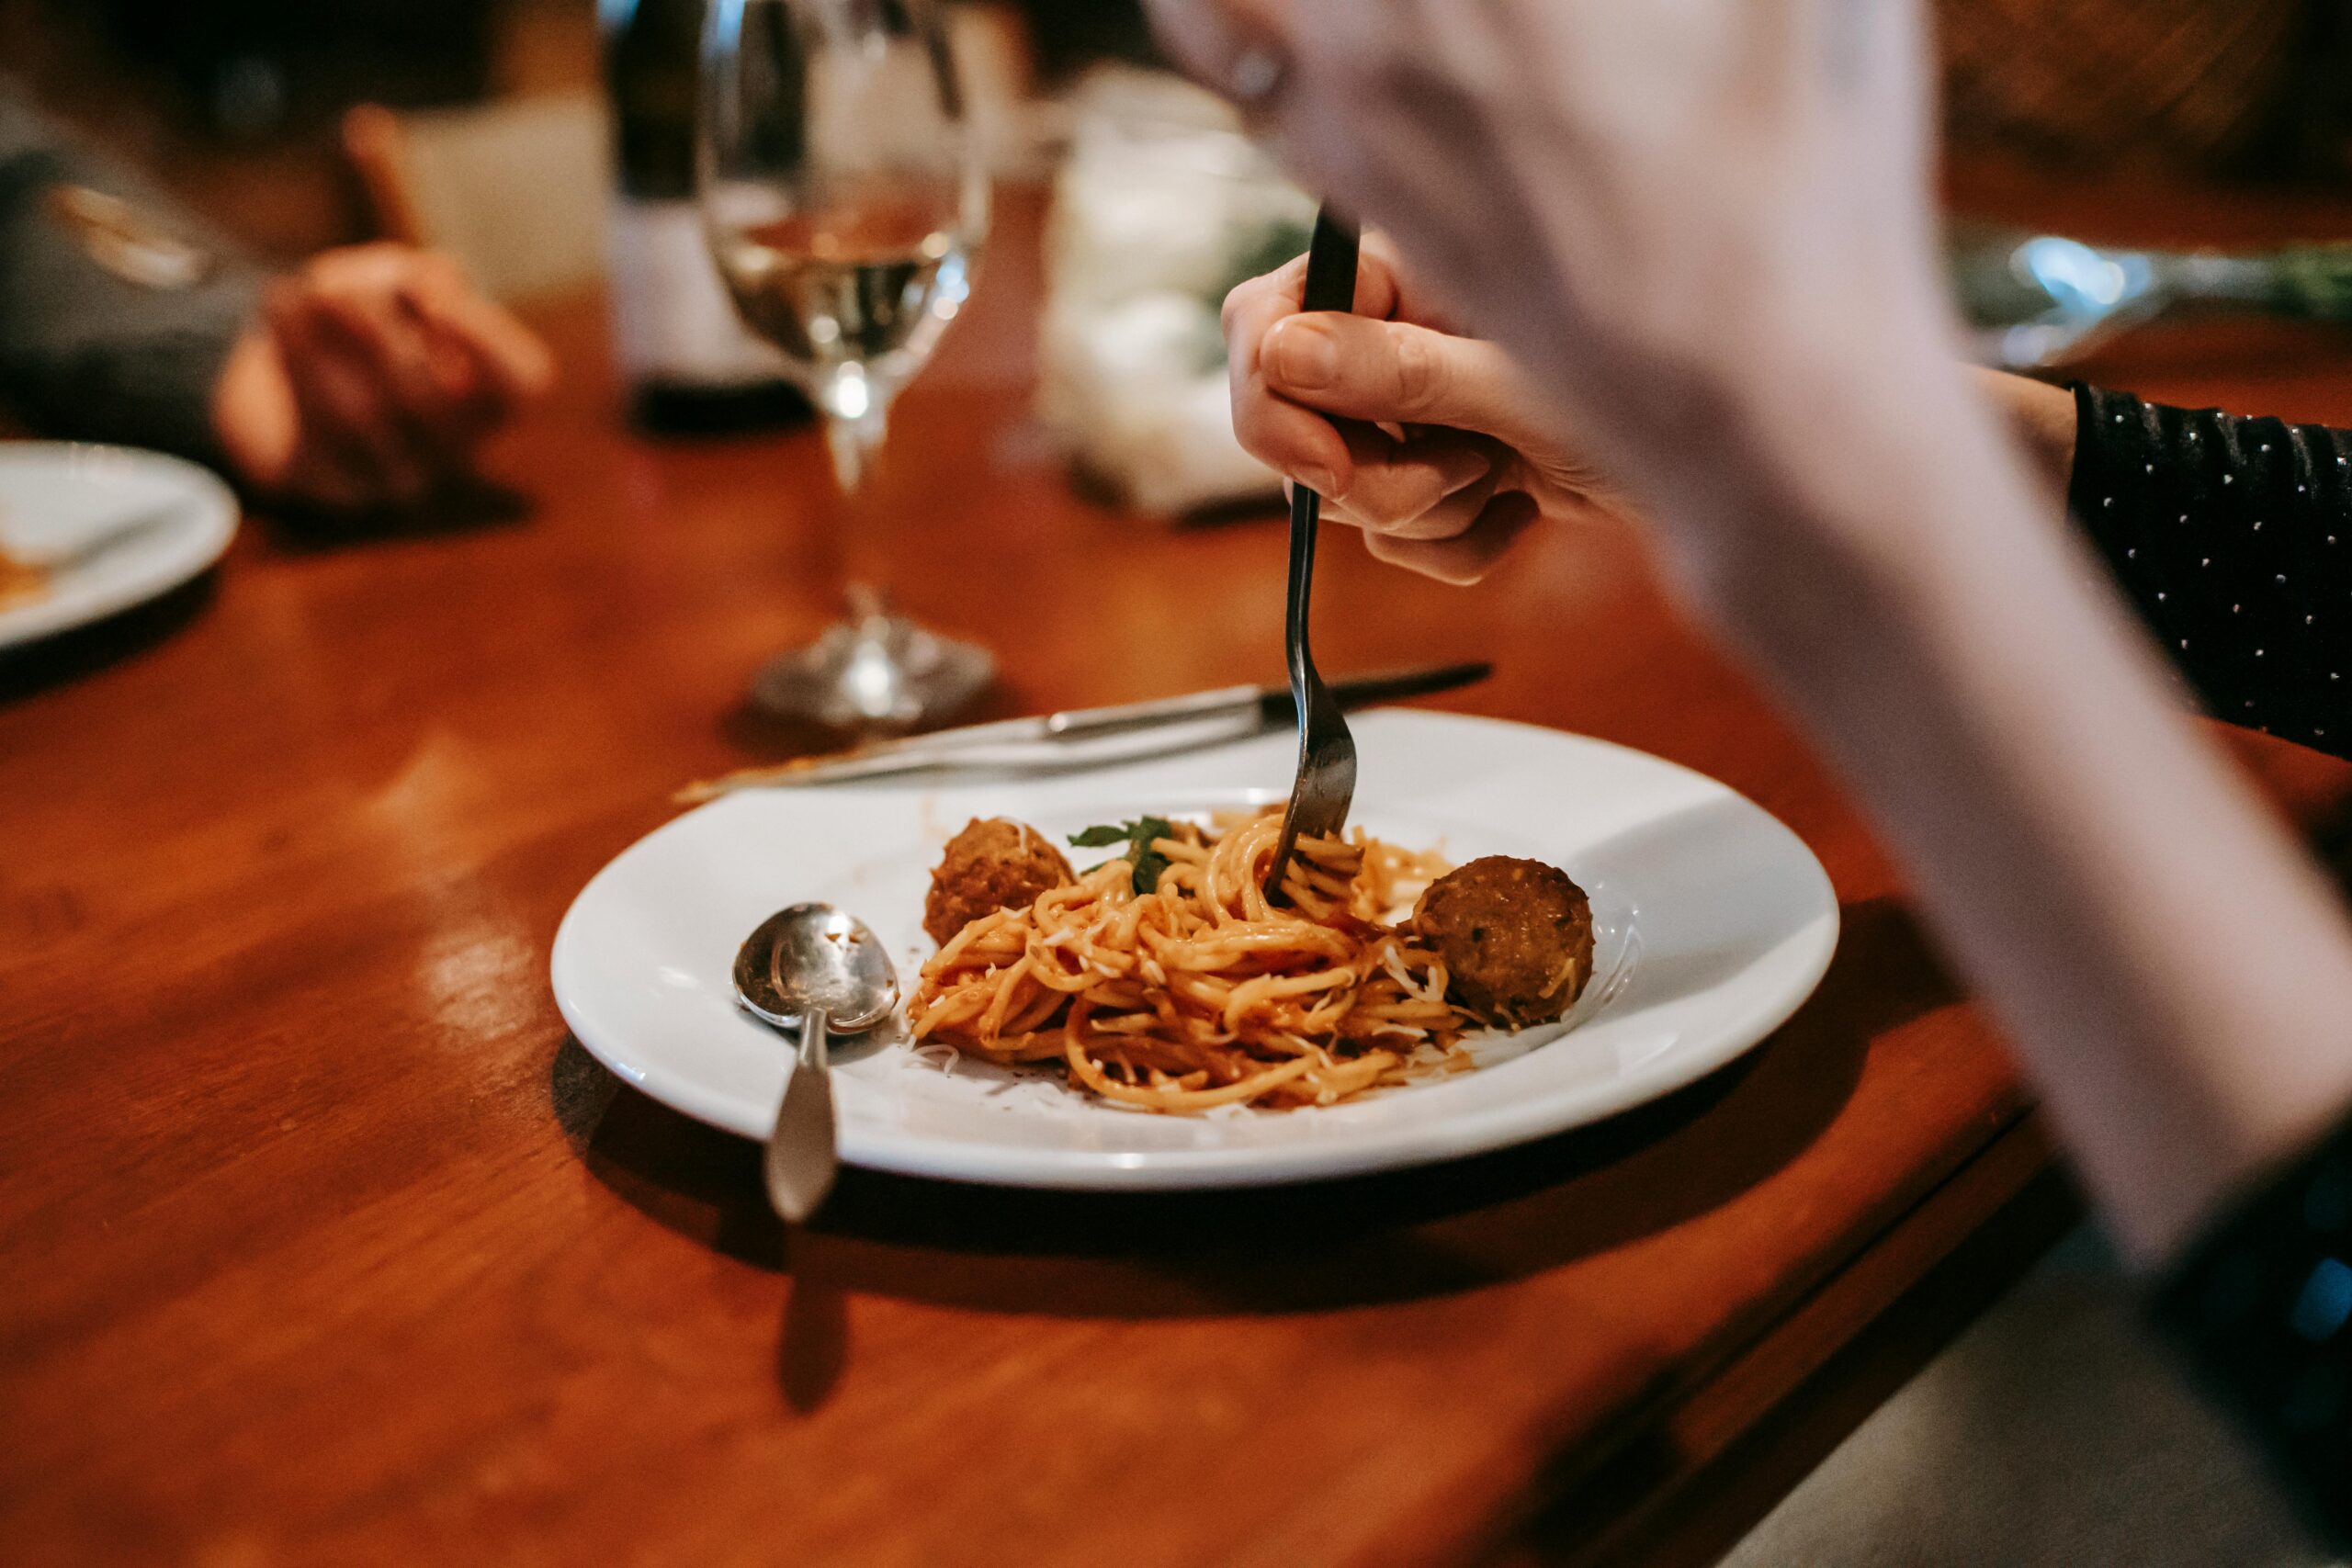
pixel 1325 785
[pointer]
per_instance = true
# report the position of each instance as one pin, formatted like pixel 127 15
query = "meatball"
pixel 993 864
pixel 1516 936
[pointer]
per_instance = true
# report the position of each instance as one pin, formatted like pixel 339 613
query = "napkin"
pixel 1161 207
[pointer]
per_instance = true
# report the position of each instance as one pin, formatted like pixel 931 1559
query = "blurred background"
pixel 548 143
pixel 239 101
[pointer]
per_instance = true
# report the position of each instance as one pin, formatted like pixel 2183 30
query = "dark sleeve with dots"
pixel 2233 539
pixel 2262 1309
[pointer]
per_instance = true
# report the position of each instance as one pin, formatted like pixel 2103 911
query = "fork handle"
pixel 1331 257
pixel 1330 265
pixel 1331 286
pixel 1305 522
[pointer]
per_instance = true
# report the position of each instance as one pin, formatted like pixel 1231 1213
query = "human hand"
pixel 1476 464
pixel 371 380
pixel 1700 228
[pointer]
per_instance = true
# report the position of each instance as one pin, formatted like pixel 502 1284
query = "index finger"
pixel 390 347
pixel 1281 292
pixel 506 354
pixel 1286 436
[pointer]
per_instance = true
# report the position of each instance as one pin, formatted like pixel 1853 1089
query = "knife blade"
pixel 1000 741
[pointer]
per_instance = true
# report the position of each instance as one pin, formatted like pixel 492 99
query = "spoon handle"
pixel 802 1153
pixel 816 1039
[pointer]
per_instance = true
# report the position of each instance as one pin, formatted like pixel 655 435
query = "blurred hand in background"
pixel 370 377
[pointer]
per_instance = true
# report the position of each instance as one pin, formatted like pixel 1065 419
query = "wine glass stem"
pixel 855 442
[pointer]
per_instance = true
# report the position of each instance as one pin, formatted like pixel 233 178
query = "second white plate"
pixel 55 497
pixel 1714 922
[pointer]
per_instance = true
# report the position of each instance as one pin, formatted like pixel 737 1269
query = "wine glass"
pixel 844 202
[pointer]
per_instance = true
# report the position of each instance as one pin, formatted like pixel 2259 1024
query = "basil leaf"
pixel 1150 863
pixel 1137 837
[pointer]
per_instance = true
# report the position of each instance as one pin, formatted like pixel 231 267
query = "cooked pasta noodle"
pixel 20 579
pixel 1201 993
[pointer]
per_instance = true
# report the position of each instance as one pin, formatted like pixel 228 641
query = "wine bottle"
pixel 689 363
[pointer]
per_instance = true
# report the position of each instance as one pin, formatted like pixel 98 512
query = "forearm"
pixel 2176 977
pixel 2040 416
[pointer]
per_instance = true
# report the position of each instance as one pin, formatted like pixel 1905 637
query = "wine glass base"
pixel 879 672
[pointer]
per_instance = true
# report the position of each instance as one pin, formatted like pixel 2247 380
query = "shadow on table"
pixel 767 737
pixel 771 738
pixel 472 508
pixel 85 650
pixel 1401 1235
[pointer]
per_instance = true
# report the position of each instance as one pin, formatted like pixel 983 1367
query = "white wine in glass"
pixel 845 203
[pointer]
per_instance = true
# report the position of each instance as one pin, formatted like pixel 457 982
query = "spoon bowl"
pixel 815 955
pixel 819 968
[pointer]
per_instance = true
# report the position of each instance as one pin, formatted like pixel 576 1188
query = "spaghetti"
pixel 20 581
pixel 1201 993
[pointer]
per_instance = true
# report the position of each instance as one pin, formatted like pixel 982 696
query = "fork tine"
pixel 1325 782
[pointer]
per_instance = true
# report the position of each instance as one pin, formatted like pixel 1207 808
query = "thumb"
pixel 1396 373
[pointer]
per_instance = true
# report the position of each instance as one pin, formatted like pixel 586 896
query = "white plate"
pixel 55 496
pixel 1713 921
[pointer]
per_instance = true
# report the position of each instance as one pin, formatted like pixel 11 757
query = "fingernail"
pixel 1304 355
pixel 1322 482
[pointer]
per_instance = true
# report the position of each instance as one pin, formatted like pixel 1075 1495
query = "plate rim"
pixel 213 516
pixel 1403 1146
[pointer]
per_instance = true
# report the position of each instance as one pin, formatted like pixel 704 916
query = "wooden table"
pixel 321 1242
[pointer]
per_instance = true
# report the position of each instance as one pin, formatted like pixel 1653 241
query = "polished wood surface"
pixel 322 1242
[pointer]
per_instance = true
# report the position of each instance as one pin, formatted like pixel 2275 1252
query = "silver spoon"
pixel 818 968
pixel 2041 299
